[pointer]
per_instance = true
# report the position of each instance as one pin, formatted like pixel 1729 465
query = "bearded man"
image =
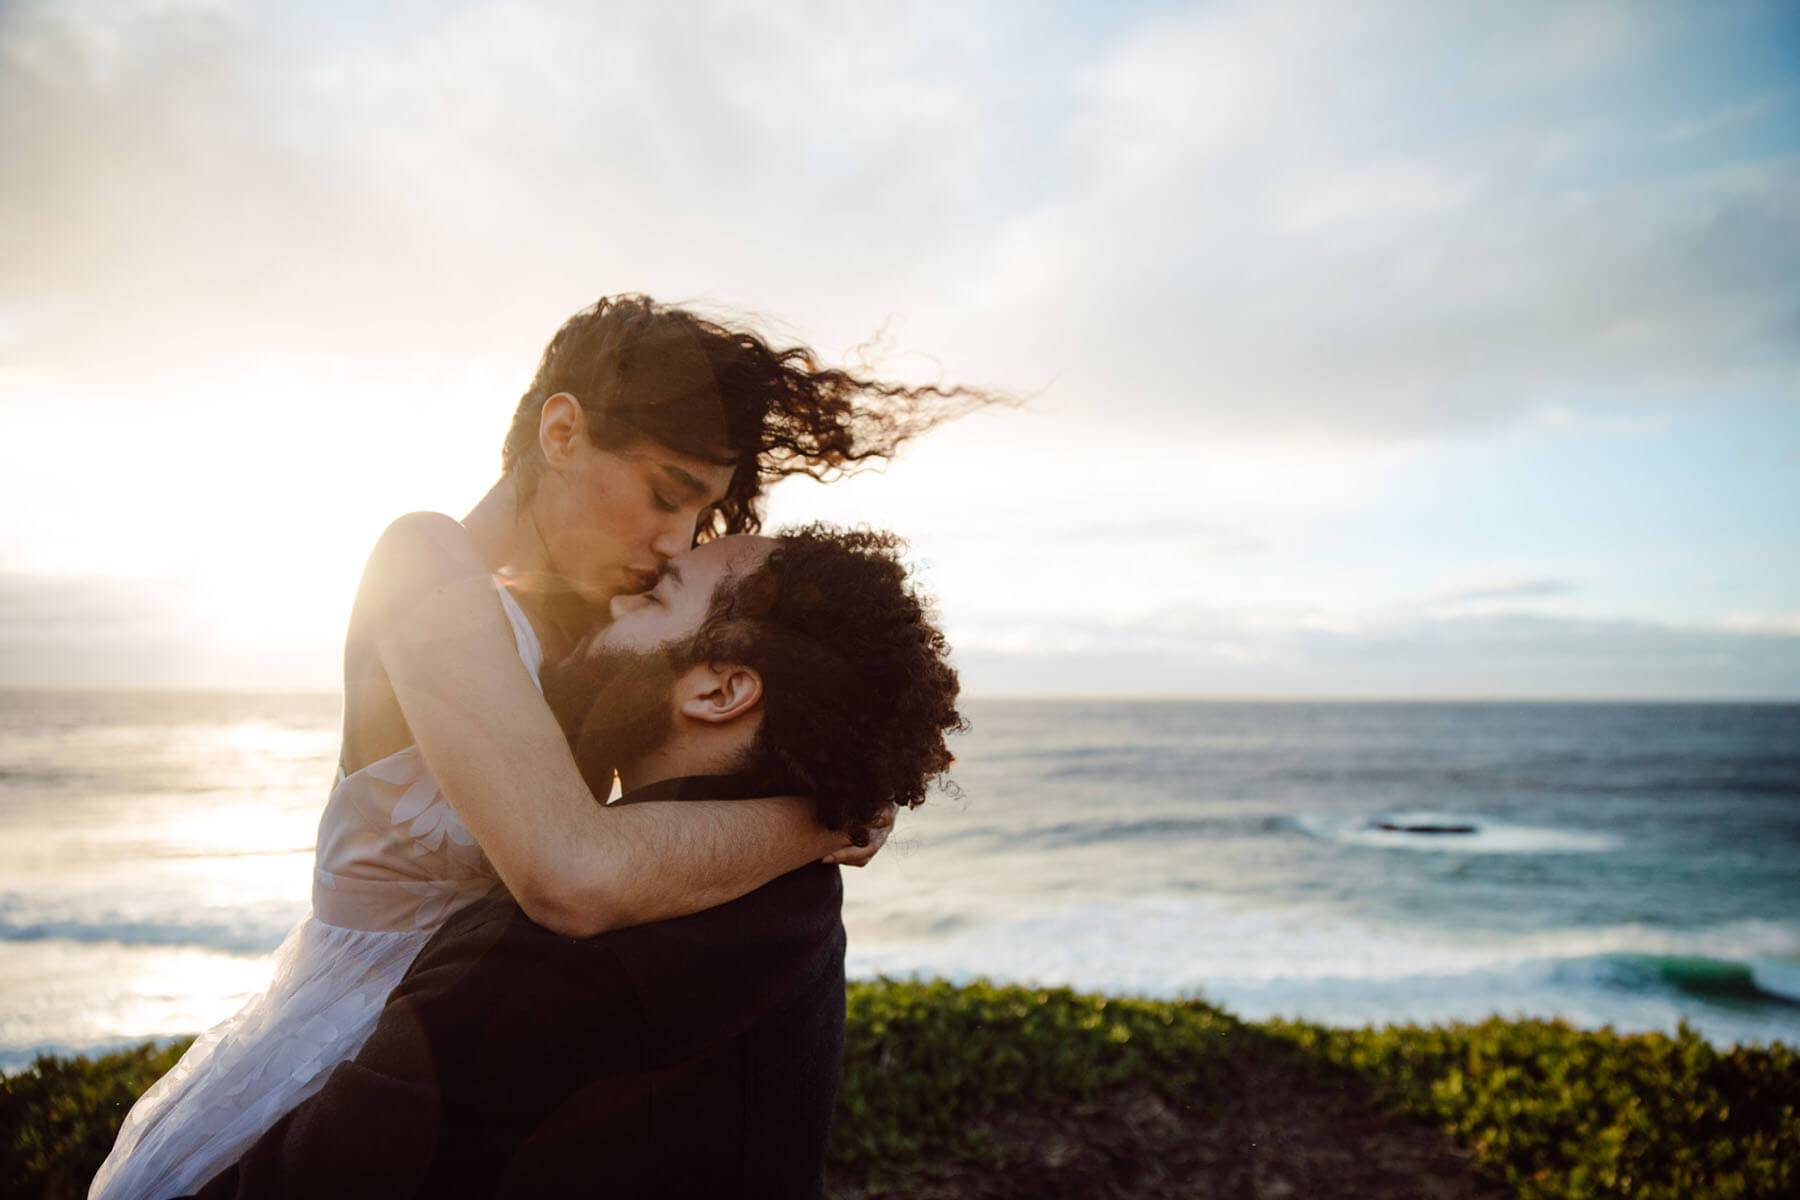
pixel 693 1057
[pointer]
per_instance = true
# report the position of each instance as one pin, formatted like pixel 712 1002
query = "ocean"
pixel 1631 865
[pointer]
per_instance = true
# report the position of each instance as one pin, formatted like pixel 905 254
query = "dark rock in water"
pixel 1393 827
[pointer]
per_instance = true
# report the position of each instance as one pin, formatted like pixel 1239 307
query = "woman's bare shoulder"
pixel 427 539
pixel 418 555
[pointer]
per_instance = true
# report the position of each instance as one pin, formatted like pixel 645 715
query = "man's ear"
pixel 719 693
pixel 561 425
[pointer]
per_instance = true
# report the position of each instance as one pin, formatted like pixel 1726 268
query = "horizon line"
pixel 1026 697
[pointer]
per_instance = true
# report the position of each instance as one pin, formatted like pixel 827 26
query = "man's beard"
pixel 615 706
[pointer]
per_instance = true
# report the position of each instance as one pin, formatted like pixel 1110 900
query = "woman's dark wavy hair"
pixel 643 370
pixel 858 690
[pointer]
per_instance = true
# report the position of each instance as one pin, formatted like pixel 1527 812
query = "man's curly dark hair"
pixel 640 369
pixel 858 690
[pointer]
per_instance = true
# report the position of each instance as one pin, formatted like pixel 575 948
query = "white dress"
pixel 394 861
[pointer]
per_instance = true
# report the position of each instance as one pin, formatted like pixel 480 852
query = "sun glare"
pixel 232 509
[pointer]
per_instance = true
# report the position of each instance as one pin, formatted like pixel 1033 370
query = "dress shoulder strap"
pixel 530 653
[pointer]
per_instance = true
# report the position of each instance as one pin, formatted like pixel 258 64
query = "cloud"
pixel 1731 116
pixel 1505 656
pixel 63 630
pixel 66 631
pixel 1141 538
pixel 1523 589
pixel 112 632
pixel 1255 264
pixel 1258 217
pixel 1267 252
pixel 1784 623
pixel 184 180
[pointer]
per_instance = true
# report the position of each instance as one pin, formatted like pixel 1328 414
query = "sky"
pixel 1376 350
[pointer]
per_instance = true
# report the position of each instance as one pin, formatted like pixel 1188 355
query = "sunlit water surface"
pixel 1632 865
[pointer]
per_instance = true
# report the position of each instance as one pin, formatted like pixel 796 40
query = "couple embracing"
pixel 508 986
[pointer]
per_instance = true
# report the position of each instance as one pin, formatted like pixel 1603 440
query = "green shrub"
pixel 58 1119
pixel 1560 1113
pixel 1568 1114
pixel 924 1063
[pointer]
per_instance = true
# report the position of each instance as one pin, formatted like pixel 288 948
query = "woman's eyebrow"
pixel 683 479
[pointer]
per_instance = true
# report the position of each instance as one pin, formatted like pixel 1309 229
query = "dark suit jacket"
pixel 693 1057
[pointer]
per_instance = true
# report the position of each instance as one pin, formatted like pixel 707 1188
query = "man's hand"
pixel 859 856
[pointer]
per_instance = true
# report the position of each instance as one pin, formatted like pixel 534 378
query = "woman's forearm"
pixel 501 759
pixel 648 862
pixel 577 866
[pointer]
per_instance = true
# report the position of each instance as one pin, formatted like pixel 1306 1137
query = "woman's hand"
pixel 859 856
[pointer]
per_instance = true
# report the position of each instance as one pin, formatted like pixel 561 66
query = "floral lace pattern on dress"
pixel 394 861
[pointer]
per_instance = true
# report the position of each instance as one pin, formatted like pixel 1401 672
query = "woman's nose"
pixel 672 539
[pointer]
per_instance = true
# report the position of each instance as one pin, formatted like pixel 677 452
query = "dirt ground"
pixel 1285 1134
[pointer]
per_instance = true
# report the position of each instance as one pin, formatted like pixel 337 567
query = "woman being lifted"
pixel 645 428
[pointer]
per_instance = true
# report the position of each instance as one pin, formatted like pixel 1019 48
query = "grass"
pixel 1554 1112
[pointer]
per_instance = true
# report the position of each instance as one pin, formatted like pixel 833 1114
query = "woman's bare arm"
pixel 574 865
